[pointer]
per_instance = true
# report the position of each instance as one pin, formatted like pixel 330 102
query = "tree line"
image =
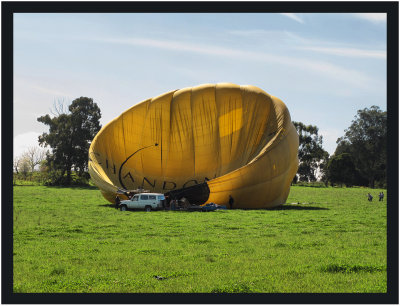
pixel 359 158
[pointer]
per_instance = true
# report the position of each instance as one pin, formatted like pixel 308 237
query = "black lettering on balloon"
pixel 195 183
pixel 114 168
pixel 120 168
pixel 165 183
pixel 130 175
pixel 152 185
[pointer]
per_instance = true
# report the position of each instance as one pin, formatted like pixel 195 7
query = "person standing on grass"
pixel 370 197
pixel 173 204
pixel 117 201
pixel 231 202
pixel 381 196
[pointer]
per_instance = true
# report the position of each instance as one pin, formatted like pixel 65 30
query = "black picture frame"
pixel 390 8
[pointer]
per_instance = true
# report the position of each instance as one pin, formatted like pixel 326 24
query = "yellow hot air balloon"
pixel 208 143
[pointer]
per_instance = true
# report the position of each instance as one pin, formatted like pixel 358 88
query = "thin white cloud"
pixel 324 68
pixel 300 43
pixel 257 33
pixel 293 16
pixel 278 37
pixel 348 52
pixel 173 46
pixel 372 17
pixel 328 70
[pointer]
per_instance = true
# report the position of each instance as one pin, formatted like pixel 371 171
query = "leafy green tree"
pixel 25 167
pixel 70 135
pixel 343 146
pixel 323 167
pixel 341 170
pixel 343 157
pixel 85 119
pixel 366 141
pixel 312 157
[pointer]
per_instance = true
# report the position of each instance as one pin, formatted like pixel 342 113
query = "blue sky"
pixel 324 66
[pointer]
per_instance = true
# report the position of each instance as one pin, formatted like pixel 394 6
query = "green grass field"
pixel 72 240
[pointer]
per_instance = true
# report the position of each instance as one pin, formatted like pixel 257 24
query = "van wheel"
pixel 147 208
pixel 123 208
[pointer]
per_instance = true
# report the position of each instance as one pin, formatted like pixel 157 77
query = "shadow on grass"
pixel 107 205
pixel 286 207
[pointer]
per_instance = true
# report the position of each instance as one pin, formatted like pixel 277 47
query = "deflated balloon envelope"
pixel 225 139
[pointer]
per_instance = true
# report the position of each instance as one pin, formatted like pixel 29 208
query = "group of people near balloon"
pixel 175 203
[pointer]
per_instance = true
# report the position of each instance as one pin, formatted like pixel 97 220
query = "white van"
pixel 146 201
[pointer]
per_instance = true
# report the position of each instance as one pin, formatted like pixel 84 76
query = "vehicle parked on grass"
pixel 143 201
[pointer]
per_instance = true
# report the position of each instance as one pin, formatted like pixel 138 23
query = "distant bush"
pixel 311 184
pixel 35 178
pixel 56 179
pixel 51 178
pixel 381 184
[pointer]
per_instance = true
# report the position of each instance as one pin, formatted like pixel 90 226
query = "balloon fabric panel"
pixel 238 139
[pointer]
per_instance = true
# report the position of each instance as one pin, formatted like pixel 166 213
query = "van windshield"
pixel 135 198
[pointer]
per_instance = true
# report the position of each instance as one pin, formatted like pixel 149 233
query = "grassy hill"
pixel 72 240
